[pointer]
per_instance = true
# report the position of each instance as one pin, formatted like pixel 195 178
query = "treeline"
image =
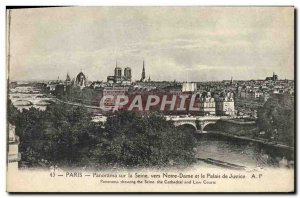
pixel 277 119
pixel 65 136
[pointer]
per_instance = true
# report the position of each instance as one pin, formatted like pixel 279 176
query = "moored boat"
pixel 222 164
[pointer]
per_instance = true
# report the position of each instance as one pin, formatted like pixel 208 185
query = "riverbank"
pixel 260 141
pixel 77 104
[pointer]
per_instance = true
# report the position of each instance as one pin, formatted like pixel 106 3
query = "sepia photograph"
pixel 150 99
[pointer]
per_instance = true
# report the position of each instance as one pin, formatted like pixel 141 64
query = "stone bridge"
pixel 198 122
pixel 32 101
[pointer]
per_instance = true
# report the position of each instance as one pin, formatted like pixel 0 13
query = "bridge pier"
pixel 201 128
pixel 199 131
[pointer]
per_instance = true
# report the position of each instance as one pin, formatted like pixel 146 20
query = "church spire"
pixel 143 73
pixel 68 77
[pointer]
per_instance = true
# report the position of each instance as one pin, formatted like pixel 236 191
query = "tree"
pixel 276 118
pixel 144 140
pixel 64 135
pixel 12 112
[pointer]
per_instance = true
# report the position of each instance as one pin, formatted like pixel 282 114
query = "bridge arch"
pixel 207 124
pixel 187 125
pixel 21 102
pixel 198 122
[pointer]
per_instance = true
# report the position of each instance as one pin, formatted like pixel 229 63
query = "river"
pixel 242 152
pixel 25 97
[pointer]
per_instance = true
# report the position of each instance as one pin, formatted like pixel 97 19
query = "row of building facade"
pixel 215 98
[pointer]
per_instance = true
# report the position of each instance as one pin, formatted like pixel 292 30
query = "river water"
pixel 25 97
pixel 240 152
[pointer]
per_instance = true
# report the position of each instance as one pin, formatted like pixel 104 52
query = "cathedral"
pixel 118 77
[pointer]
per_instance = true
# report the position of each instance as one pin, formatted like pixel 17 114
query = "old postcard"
pixel 150 99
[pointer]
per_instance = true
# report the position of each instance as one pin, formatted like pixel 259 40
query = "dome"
pixel 80 80
pixel 80 76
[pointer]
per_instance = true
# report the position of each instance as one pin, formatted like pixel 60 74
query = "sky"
pixel 176 43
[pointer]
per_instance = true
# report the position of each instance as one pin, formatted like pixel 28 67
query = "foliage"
pixel 276 119
pixel 12 112
pixel 148 140
pixel 65 135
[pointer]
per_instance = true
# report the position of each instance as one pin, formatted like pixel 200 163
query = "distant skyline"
pixel 177 43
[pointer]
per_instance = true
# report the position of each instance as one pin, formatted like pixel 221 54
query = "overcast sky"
pixel 182 43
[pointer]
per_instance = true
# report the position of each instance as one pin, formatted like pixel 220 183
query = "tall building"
pixel 225 105
pixel 143 77
pixel 68 80
pixel 118 73
pixel 207 104
pixel 273 78
pixel 68 77
pixel 127 74
pixel 115 92
pixel 80 80
pixel 189 87
pixel 118 77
